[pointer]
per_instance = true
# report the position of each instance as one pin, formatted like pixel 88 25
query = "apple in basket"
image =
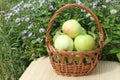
pixel 72 28
pixel 63 42
pixel 57 34
pixel 84 42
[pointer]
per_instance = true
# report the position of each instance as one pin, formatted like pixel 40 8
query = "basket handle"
pixel 101 40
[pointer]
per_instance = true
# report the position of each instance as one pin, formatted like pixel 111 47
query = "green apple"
pixel 84 42
pixel 63 42
pixel 55 37
pixel 72 28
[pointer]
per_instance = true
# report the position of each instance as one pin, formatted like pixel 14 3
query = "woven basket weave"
pixel 71 63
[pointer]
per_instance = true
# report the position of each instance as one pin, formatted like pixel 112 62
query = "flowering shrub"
pixel 23 28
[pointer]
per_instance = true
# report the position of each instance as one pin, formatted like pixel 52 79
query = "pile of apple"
pixel 73 38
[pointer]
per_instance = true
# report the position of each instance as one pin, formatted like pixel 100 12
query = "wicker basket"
pixel 70 63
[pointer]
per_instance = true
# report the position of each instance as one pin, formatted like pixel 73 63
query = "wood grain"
pixel 41 69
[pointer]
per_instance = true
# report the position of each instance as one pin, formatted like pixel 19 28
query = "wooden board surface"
pixel 41 69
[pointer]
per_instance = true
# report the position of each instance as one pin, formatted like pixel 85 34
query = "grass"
pixel 17 53
pixel 11 63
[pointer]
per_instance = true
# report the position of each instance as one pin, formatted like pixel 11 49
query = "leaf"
pixel 116 41
pixel 117 33
pixel 118 56
pixel 106 26
pixel 114 51
pixel 93 28
pixel 107 40
pixel 33 41
pixel 93 34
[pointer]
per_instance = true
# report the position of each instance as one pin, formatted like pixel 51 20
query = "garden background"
pixel 23 26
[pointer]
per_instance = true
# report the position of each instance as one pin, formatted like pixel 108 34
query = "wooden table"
pixel 41 69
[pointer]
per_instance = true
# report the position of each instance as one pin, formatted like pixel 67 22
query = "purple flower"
pixel 17 20
pixel 39 40
pixel 78 2
pixel 113 11
pixel 30 26
pixel 27 5
pixel 107 1
pixel 95 4
pixel 104 6
pixel 24 32
pixel 41 30
pixel 30 34
pixel 88 15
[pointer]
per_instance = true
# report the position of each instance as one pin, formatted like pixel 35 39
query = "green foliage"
pixel 22 34
pixel 118 55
